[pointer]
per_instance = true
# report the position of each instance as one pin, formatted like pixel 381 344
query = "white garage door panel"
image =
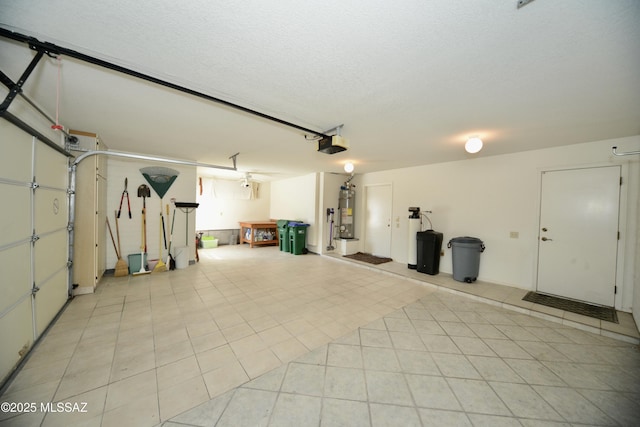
pixel 49 164
pixel 51 211
pixel 15 333
pixel 16 163
pixel 50 255
pixel 15 221
pixel 15 265
pixel 23 263
pixel 50 299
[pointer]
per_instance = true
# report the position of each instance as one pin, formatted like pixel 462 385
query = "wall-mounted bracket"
pixel 16 88
pixel 629 153
pixel 522 3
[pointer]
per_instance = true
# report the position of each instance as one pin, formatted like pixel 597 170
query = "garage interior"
pixel 257 111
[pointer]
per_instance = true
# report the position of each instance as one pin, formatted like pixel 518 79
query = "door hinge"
pixel 620 180
pixel 615 290
pixel 618 235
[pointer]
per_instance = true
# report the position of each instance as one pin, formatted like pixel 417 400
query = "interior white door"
pixel 578 236
pixel 377 233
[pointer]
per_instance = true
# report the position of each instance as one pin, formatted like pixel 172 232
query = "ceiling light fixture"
pixel 473 145
pixel 348 167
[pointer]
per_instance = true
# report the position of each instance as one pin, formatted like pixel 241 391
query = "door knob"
pixel 544 239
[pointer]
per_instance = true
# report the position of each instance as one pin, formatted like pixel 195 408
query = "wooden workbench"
pixel 254 227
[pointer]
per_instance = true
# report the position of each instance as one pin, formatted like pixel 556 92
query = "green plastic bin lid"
pixel 281 223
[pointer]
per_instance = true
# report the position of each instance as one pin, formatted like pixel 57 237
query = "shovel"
pixel 144 191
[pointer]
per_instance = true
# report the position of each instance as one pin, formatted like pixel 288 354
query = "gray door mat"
pixel 603 313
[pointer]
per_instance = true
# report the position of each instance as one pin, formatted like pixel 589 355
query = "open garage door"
pixel 33 241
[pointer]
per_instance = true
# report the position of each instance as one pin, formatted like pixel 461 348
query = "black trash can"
pixel 429 245
pixel 466 258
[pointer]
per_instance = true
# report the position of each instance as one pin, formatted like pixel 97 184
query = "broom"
pixel 170 260
pixel 122 269
pixel 118 271
pixel 160 266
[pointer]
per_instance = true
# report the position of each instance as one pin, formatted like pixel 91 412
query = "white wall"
pixel 489 197
pixel 483 197
pixel 224 213
pixel 297 199
pixel 183 189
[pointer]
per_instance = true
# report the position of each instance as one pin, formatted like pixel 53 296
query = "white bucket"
pixel 182 256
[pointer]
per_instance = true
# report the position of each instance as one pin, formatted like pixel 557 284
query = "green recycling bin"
pixel 283 234
pixel 298 238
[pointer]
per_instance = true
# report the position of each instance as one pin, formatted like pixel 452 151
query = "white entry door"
pixel 377 240
pixel 578 235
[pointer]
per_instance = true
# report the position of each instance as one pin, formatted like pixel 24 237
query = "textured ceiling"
pixel 409 80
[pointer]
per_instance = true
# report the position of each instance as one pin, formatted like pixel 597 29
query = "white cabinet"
pixel 89 259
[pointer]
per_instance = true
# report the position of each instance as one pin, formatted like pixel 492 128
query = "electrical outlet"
pixel 514 234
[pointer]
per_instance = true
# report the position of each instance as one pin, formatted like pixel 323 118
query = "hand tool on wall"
pixel 187 208
pixel 164 230
pixel 170 261
pixel 144 191
pixel 125 193
pixel 119 270
pixel 122 269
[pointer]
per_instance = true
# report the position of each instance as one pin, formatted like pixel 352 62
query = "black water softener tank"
pixel 429 247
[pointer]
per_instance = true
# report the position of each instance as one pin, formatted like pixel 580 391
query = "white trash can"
pixel 182 257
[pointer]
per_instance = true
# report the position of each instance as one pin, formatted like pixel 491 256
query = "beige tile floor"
pixel 511 298
pixel 257 337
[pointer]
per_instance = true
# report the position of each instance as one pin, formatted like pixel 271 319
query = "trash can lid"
pixel 466 240
pixel 282 222
pixel 298 224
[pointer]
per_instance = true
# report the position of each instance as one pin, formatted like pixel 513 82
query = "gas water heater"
pixel 346 210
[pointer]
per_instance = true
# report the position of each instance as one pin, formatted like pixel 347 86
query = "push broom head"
pixel 142 268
